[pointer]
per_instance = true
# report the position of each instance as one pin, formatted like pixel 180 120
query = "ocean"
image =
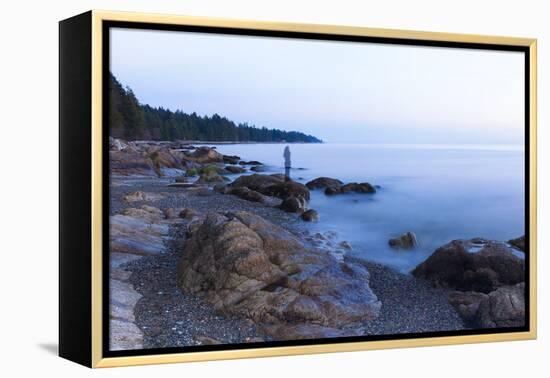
pixel 439 192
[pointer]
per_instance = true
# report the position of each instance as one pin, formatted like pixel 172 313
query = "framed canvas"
pixel 234 189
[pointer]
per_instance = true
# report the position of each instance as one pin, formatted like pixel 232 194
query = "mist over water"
pixel 440 192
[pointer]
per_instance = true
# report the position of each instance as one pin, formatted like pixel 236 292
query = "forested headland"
pixel 131 120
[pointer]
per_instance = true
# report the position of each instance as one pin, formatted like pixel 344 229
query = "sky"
pixel 341 92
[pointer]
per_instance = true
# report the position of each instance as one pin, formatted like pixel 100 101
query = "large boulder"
pixel 247 266
pixel 324 182
pixel 205 155
pixel 272 186
pixel 363 187
pixel 476 264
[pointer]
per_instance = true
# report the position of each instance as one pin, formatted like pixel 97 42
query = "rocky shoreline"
pixel 206 250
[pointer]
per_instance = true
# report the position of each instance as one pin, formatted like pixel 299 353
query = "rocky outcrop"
pixel 406 241
pixel 258 168
pixel 134 232
pixel 363 187
pixel 476 265
pixel 310 216
pixel 247 266
pixel 231 159
pixel 324 182
pixel 488 276
pixel 205 155
pixel 145 159
pixel 252 162
pixel 272 186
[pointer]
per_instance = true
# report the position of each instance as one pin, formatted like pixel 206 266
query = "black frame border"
pixel 107 25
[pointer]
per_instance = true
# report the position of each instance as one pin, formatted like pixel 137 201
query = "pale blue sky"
pixel 340 92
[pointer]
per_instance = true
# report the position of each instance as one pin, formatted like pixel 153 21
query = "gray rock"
pixel 473 265
pixel 406 241
pixel 310 215
pixel 247 266
pixel 324 182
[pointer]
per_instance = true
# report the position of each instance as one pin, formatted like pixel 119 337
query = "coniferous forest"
pixel 128 119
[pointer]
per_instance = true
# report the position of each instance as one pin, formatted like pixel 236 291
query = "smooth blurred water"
pixel 440 192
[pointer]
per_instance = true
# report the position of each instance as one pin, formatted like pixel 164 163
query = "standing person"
pixel 286 155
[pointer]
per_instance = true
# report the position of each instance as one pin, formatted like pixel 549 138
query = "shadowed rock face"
pixel 247 266
pixel 324 182
pixel 489 277
pixel 454 265
pixel 271 185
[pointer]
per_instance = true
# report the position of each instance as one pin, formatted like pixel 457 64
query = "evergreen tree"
pixel 131 120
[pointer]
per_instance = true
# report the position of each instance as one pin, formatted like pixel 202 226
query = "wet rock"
pixel 519 243
pixel 363 187
pixel 294 205
pixel 235 169
pixel 324 182
pixel 310 216
pixel 406 241
pixel 231 159
pixel 252 162
pixel 470 265
pixel 272 186
pixel 258 168
pixel 247 266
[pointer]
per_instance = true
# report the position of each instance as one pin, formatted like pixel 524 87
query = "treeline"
pixel 128 119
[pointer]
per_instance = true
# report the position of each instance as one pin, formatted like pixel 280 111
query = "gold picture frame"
pixel 92 355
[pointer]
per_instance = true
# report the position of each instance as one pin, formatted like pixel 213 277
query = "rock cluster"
pixel 488 277
pixel 247 266
pixel 334 186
